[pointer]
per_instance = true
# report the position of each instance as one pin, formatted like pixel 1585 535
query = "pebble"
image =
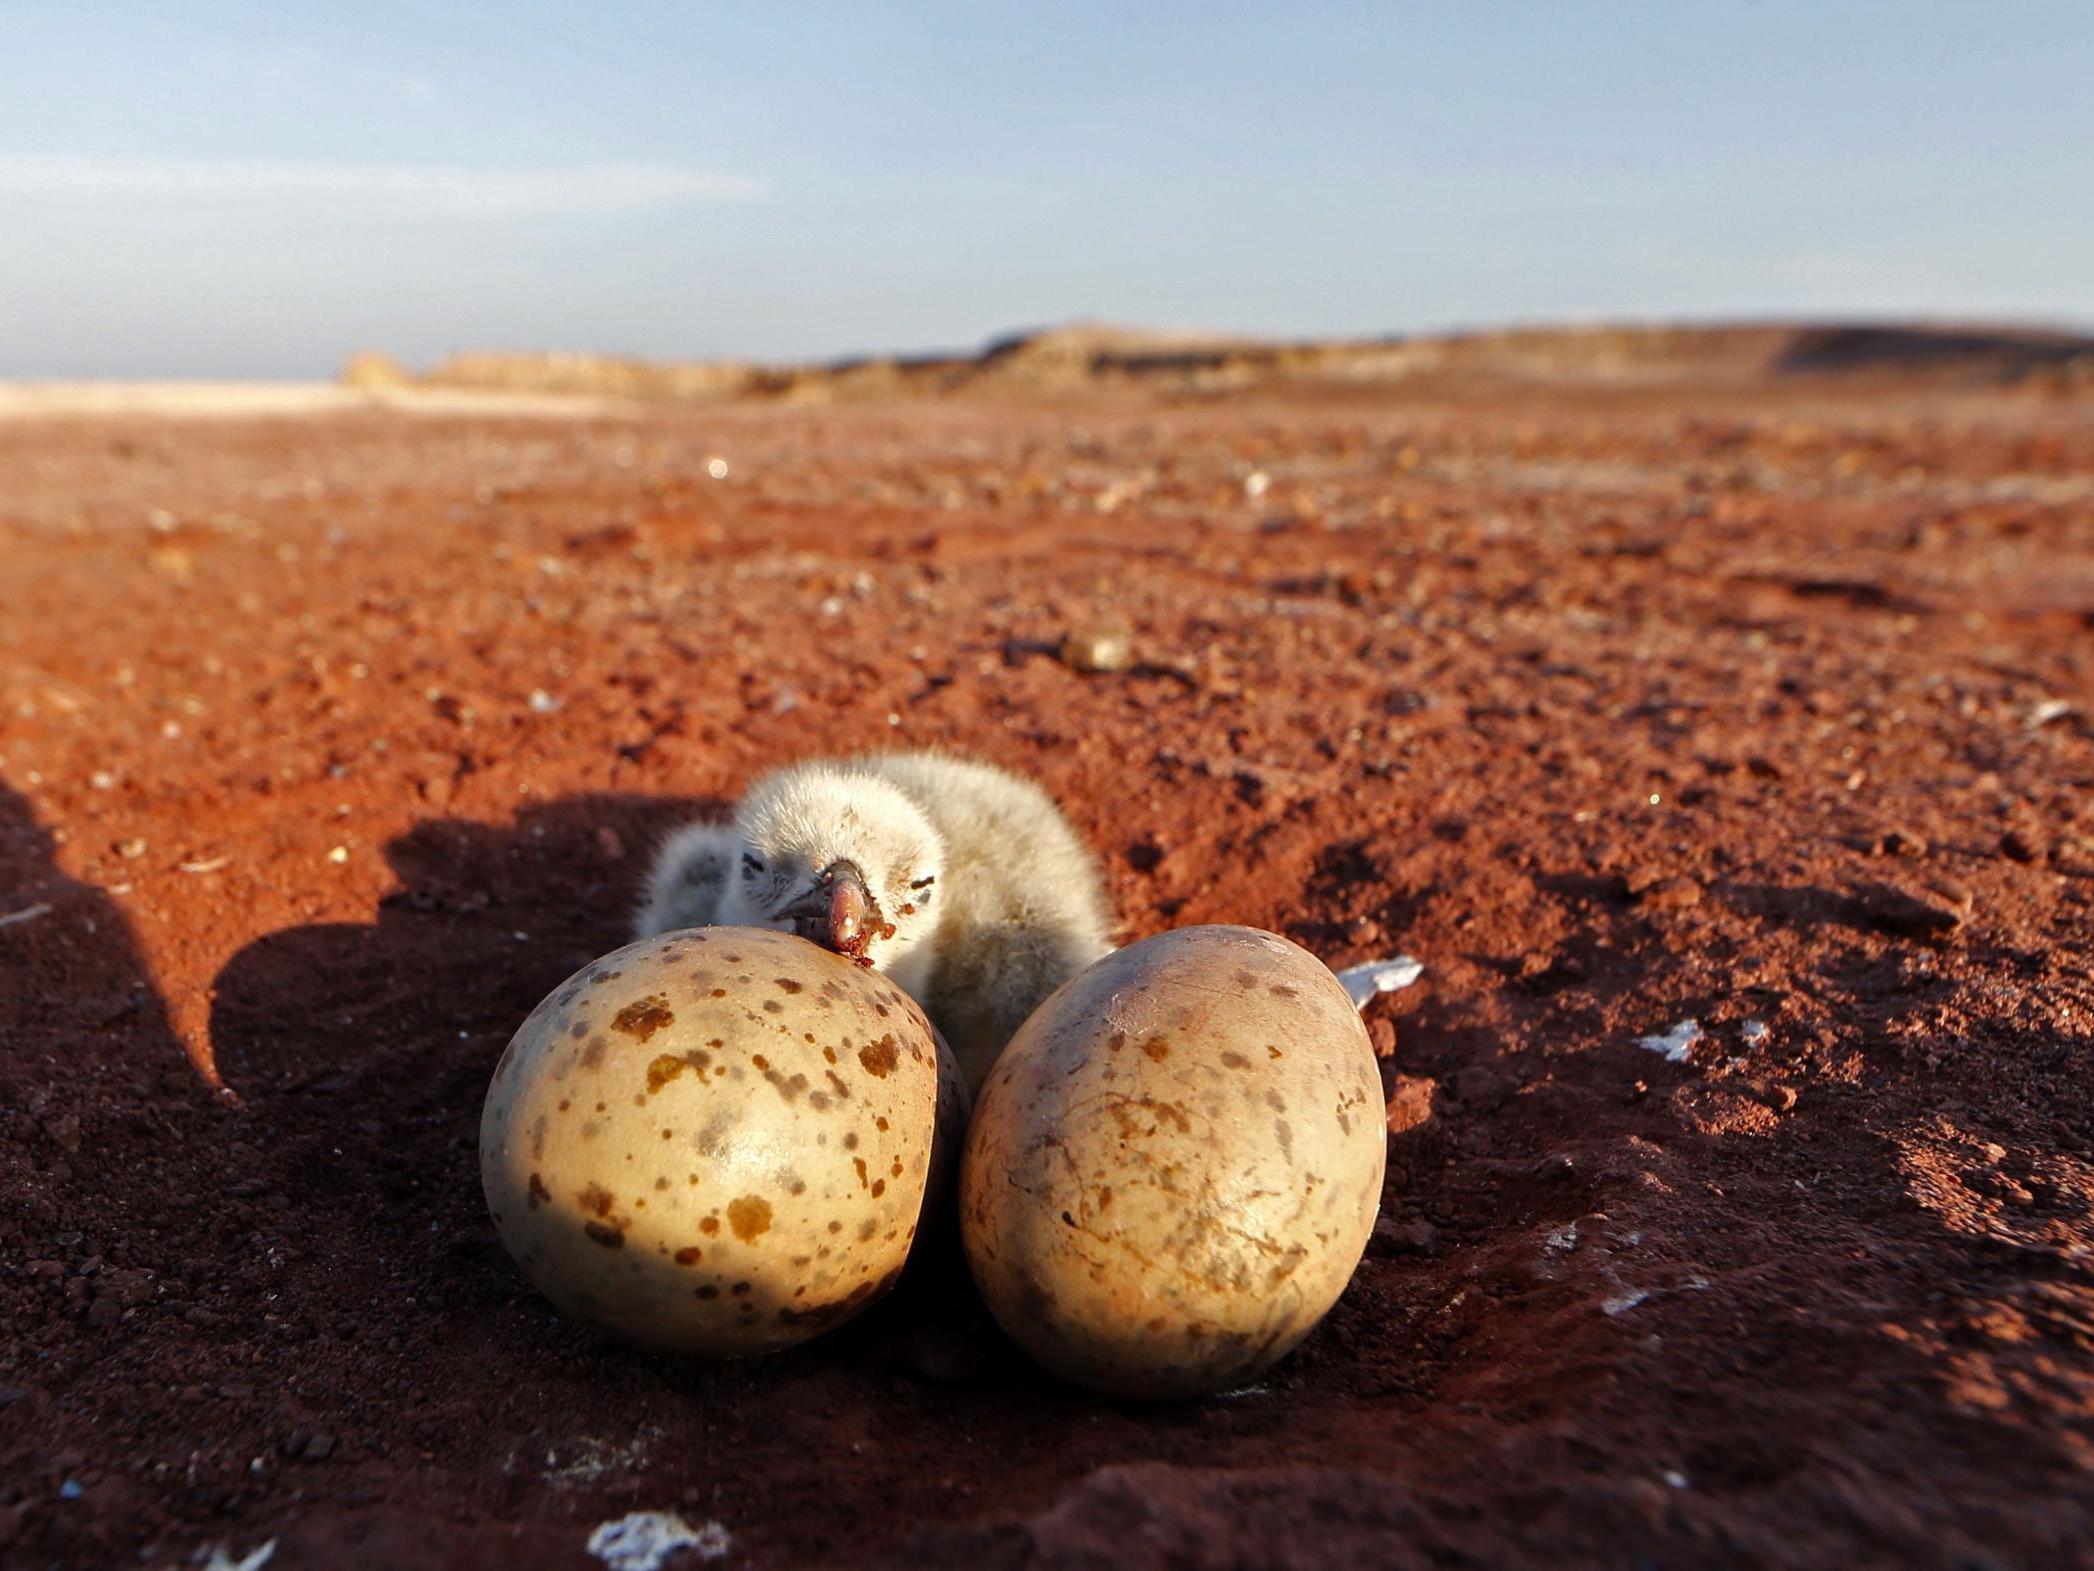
pixel 1394 1236
pixel 2022 845
pixel 1410 1102
pixel 1669 894
pixel 1914 912
pixel 1098 647
pixel 307 1445
pixel 1960 896
pixel 1899 841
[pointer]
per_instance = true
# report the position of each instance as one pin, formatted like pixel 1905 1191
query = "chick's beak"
pixel 838 912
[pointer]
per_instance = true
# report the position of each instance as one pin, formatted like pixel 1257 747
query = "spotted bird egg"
pixel 719 1140
pixel 1175 1165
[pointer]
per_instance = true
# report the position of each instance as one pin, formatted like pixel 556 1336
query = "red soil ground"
pixel 329 744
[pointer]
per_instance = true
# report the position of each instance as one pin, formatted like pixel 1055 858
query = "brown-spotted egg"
pixel 1175 1165
pixel 719 1140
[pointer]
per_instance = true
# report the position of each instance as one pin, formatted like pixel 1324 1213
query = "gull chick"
pixel 960 882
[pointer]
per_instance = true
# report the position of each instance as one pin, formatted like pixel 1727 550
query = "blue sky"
pixel 216 189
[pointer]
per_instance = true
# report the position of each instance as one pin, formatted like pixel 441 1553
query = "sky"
pixel 211 189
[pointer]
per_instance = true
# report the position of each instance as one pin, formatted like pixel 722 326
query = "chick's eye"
pixel 751 865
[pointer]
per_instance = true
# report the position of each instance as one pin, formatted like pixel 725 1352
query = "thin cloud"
pixel 417 189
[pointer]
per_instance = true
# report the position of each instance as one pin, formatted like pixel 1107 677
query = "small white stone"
pixel 642 1540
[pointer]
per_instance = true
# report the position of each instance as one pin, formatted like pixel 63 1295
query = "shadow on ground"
pixel 69 963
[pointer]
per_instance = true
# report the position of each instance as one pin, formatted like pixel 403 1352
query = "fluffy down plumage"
pixel 982 898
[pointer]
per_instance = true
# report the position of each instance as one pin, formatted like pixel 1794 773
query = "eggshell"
pixel 718 1140
pixel 1176 1163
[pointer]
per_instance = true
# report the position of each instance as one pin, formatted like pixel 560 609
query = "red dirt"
pixel 1616 711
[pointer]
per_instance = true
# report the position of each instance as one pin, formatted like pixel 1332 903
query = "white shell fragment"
pixel 1370 979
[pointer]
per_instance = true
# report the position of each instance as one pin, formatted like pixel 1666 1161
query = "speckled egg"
pixel 1176 1163
pixel 719 1140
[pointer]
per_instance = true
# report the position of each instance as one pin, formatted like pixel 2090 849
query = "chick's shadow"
pixel 364 1048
